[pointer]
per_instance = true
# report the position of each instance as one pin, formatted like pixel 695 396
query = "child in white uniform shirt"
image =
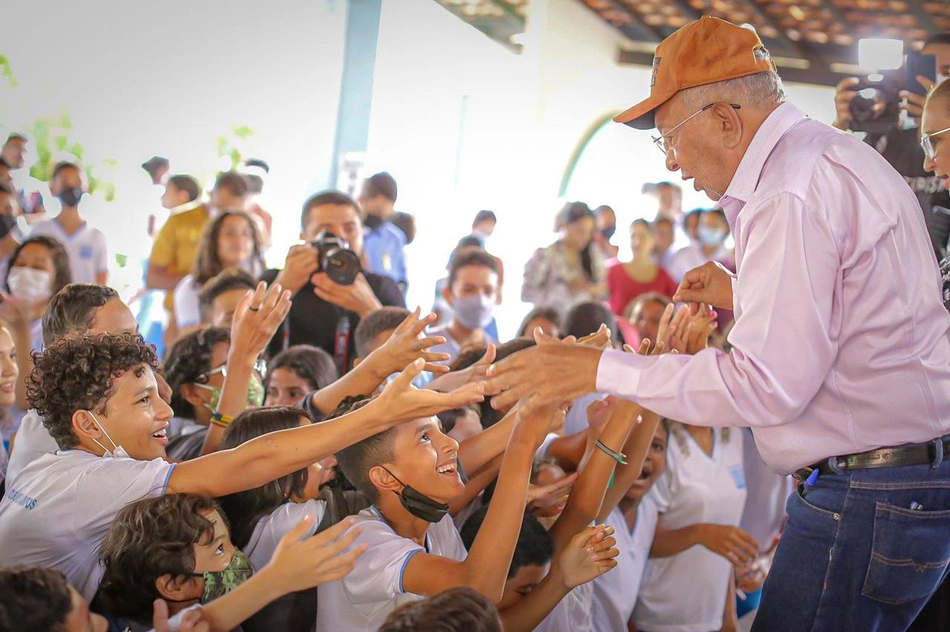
pixel 414 550
pixel 78 307
pixel 98 396
pixel 634 521
pixel 686 588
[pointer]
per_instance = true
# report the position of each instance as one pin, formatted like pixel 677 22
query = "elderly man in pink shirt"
pixel 841 346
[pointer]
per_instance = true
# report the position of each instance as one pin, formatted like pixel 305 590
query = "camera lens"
pixel 342 266
pixel 862 106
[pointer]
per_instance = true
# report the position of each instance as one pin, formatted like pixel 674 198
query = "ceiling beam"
pixel 650 33
pixel 924 19
pixel 816 75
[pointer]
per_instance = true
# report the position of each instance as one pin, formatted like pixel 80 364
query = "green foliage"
pixel 6 72
pixel 234 145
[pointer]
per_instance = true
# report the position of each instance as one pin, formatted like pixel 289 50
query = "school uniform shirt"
pixel 362 600
pixel 764 514
pixel 88 254
pixel 33 440
pixel 187 311
pixel 60 507
pixel 272 527
pixel 615 592
pixel 571 614
pixel 687 591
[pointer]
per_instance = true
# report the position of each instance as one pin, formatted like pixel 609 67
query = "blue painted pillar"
pixel 356 90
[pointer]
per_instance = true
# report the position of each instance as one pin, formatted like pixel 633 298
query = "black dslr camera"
pixel 336 259
pixel 876 108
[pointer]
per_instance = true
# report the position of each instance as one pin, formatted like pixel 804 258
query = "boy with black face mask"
pixel 413 548
pixel 88 254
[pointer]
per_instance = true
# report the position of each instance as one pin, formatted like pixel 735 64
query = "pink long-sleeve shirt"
pixel 841 343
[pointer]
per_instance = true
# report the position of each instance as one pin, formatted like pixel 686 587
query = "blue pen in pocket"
pixel 809 482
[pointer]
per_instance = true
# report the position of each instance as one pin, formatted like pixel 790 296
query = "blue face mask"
pixel 710 236
pixel 475 311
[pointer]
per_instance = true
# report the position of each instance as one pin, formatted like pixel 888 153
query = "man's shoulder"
pixel 385 289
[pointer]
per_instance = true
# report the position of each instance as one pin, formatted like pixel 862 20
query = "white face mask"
pixel 117 452
pixel 30 283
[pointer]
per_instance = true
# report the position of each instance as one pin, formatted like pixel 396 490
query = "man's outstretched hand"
pixel 552 372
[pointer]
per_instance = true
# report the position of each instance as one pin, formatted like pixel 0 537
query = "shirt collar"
pixel 753 161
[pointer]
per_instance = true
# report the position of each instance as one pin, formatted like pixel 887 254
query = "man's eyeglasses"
pixel 927 145
pixel 662 142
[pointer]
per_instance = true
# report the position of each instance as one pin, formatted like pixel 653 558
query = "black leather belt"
pixel 931 453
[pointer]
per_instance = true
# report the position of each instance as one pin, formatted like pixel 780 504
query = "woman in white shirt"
pixel 700 498
pixel 231 240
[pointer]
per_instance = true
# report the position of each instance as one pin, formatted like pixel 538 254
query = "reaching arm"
pixel 476 485
pixel 405 345
pixel 277 454
pixel 636 448
pixel 256 318
pixel 486 567
pixel 588 555
pixel 586 498
pixel 475 452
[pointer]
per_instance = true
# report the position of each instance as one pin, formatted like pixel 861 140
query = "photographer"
pixel 900 146
pixel 325 312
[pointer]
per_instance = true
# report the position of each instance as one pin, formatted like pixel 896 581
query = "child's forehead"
pixel 413 427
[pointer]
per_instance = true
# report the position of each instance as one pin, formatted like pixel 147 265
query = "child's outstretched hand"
pixel 589 555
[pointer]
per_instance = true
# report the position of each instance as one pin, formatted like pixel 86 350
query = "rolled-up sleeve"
pixel 783 341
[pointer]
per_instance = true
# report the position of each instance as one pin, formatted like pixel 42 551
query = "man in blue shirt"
pixel 383 241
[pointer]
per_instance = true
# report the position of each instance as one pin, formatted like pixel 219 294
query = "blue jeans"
pixel 862 551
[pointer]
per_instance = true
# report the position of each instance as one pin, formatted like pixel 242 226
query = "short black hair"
pixel 332 198
pixel 232 181
pixel 35 599
pixel 459 609
pixel 380 184
pixel 62 166
pixel 535 546
pixel 153 164
pixel 245 509
pixel 355 461
pixel 150 538
pixel 586 318
pixel 484 216
pixel 649 297
pixel 374 324
pixel 309 363
pixel 226 281
pixel 471 257
pixel 14 136
pixel 448 418
pixel 187 361
pixel 548 313
pixel 72 309
pixel 187 184
pixel 77 372
pixel 63 275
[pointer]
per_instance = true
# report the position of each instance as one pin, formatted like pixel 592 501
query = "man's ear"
pixel 382 480
pixel 175 588
pixel 730 125
pixel 447 295
pixel 85 426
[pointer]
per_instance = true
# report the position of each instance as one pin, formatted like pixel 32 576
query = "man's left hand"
pixel 552 372
pixel 358 298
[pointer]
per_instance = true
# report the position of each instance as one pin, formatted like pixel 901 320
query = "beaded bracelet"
pixel 619 457
pixel 222 421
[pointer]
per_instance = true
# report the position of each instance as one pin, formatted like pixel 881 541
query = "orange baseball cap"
pixel 706 51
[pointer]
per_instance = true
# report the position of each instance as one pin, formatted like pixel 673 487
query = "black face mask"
pixel 418 504
pixel 608 232
pixel 70 197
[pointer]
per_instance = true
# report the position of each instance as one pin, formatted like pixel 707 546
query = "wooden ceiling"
pixel 813 41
